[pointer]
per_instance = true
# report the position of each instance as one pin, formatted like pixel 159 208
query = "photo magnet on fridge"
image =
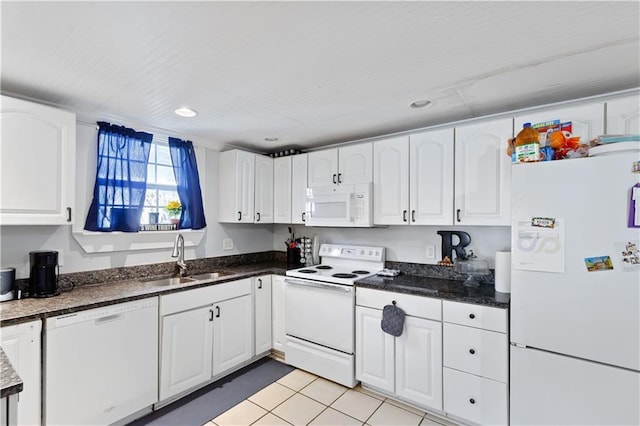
pixel 600 263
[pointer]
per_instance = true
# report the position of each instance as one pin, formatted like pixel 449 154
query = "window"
pixel 161 184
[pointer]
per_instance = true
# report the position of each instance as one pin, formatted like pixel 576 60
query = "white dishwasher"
pixel 101 365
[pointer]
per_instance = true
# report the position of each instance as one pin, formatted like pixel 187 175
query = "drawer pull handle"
pixel 472 351
pixel 472 316
pixel 473 401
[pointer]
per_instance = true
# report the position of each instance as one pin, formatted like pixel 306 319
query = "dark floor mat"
pixel 205 404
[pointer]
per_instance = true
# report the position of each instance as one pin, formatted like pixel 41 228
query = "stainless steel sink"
pixel 210 276
pixel 169 281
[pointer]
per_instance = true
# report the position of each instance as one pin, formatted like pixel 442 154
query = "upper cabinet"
pixel 236 186
pixel 263 195
pixel 348 165
pixel 282 190
pixel 37 164
pixel 587 120
pixel 483 173
pixel 623 115
pixel 413 179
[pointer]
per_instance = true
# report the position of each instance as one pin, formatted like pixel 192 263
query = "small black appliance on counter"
pixel 43 281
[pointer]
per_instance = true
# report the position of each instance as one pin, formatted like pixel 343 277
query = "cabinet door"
pixel 282 191
pixel 483 173
pixel 298 188
pixel 186 351
pixel 278 312
pixel 355 164
pixel 391 181
pixel 37 166
pixel 587 119
pixel 431 178
pixel 236 184
pixel 21 344
pixel 623 116
pixel 263 189
pixel 374 350
pixel 322 168
pixel 262 302
pixel 419 362
pixel 232 333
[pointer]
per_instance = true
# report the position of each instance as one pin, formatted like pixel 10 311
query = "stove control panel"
pixel 341 251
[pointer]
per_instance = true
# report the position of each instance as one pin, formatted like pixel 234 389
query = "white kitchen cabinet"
pixel 623 115
pixel 232 333
pixel 38 163
pixel 263 195
pixel 21 344
pixel 186 351
pixel 262 308
pixel 278 312
pixel 413 179
pixel 587 120
pixel 476 362
pixel 236 182
pixel 282 189
pixel 410 365
pixel 482 173
pixel 299 172
pixel 205 332
pixel 347 165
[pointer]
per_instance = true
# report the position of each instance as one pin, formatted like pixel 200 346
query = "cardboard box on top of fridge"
pixel 545 129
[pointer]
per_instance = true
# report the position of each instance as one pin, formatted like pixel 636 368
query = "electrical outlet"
pixel 227 244
pixel 60 258
pixel 431 251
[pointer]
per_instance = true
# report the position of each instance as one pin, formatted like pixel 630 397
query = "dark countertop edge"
pixel 11 383
pixel 233 276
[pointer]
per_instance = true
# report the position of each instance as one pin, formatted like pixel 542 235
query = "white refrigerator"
pixel 575 292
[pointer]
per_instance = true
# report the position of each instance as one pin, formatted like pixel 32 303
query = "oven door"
pixel 321 313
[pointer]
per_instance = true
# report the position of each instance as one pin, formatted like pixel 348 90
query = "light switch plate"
pixel 227 244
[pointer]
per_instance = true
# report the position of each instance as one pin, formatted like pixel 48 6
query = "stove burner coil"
pixel 307 271
pixel 359 272
pixel 343 275
pixel 323 267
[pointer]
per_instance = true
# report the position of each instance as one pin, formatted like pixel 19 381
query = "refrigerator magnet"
pixel 599 263
pixel 629 255
pixel 634 207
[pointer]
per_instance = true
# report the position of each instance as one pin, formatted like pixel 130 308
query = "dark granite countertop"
pixel 103 294
pixel 438 288
pixel 10 382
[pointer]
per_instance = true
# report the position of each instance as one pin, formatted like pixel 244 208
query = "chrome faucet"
pixel 178 251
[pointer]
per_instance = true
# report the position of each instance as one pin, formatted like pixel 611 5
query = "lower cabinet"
pixel 278 309
pixel 262 309
pixel 21 344
pixel 410 365
pixel 204 332
pixel 476 363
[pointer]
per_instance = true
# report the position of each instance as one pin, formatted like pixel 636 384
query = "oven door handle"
pixel 305 283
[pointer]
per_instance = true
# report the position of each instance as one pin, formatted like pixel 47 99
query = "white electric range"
pixel 320 310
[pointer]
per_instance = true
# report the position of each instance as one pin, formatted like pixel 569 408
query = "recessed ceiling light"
pixel 272 139
pixel 186 112
pixel 423 103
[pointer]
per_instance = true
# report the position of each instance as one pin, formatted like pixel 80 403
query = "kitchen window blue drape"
pixel 185 170
pixel 121 179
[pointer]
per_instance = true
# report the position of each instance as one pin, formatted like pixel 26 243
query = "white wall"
pixel 17 241
pixel 405 243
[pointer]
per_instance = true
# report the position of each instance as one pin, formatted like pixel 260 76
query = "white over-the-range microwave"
pixel 340 205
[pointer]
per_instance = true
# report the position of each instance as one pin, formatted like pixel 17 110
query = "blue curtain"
pixel 185 170
pixel 121 179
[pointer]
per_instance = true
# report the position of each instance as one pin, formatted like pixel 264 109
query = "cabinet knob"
pixel 473 401
pixel 472 316
pixel 472 351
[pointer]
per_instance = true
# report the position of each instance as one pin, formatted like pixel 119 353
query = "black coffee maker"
pixel 43 281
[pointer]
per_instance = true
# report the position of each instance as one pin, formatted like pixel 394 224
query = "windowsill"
pixel 105 242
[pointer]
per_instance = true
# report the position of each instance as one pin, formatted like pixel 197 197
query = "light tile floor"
pixel 301 398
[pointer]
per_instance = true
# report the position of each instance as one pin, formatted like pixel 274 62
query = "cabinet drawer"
pixel 416 306
pixel 474 398
pixel 190 299
pixel 478 316
pixel 480 352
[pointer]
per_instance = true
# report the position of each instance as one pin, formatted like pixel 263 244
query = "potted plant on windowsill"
pixel 174 208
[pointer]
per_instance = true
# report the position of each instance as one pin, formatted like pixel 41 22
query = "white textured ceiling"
pixel 312 73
